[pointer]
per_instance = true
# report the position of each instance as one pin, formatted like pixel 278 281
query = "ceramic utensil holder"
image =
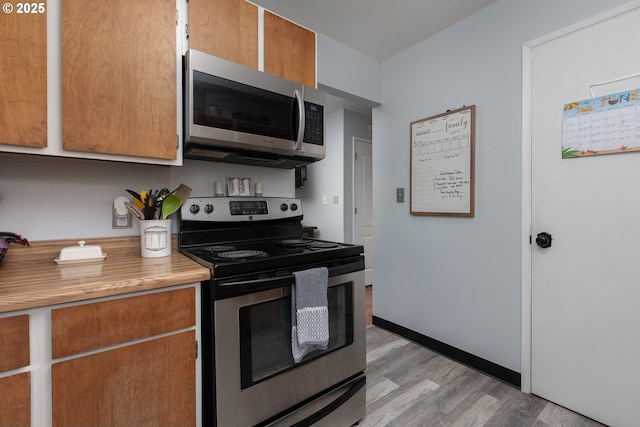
pixel 155 238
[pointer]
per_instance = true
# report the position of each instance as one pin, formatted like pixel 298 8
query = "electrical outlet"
pixel 399 195
pixel 120 217
pixel 336 199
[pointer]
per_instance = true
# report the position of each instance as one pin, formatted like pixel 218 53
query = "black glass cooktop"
pixel 232 258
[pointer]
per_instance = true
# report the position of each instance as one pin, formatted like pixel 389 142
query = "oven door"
pixel 256 379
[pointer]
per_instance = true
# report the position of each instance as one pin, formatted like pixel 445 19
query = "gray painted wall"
pixel 458 279
pixel 355 125
pixel 333 177
pixel 325 178
pixel 346 72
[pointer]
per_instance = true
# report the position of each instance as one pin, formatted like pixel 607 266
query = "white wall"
pixel 458 279
pixel 46 198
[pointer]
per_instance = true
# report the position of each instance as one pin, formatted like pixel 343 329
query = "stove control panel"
pixel 236 209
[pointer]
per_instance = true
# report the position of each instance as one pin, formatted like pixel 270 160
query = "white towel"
pixel 309 312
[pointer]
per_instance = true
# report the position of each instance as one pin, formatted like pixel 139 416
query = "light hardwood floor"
pixel 410 385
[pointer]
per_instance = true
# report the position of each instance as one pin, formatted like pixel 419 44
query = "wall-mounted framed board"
pixel 442 164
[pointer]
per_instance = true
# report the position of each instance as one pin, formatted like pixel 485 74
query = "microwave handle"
pixel 301 117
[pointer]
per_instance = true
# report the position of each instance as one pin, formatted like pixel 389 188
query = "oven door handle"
pixel 231 288
pixel 287 280
pixel 242 287
pixel 271 282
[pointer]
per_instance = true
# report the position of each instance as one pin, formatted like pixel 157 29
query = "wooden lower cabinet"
pixel 15 390
pixel 14 342
pixel 86 327
pixel 15 400
pixel 151 383
pixel 125 362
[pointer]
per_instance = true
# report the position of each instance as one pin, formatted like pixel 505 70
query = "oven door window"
pixel 265 334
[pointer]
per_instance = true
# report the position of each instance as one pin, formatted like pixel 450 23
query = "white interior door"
pixel 585 288
pixel 363 215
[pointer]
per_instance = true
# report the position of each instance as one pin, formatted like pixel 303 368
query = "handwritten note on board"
pixel 442 164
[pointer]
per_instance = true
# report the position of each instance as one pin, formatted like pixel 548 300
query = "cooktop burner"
pixel 219 248
pixel 323 245
pixel 293 243
pixel 242 255
pixel 311 244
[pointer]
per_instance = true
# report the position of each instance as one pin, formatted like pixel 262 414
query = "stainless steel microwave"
pixel 241 115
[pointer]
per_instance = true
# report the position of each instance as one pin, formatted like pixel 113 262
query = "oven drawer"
pixel 342 406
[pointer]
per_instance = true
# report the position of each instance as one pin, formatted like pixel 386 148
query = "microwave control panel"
pixel 314 123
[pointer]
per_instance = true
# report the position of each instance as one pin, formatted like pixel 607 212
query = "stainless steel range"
pixel 257 253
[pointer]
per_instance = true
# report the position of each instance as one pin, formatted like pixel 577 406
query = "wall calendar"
pixel 607 124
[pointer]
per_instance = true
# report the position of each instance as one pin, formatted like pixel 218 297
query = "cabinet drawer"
pixel 15 400
pixel 93 326
pixel 14 342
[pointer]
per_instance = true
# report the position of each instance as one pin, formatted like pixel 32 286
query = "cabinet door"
pixel 14 342
pixel 289 50
pixel 15 390
pixel 119 77
pixel 23 77
pixel 15 400
pixel 147 384
pixel 227 29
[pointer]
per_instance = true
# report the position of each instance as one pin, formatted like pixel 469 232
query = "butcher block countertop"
pixel 30 277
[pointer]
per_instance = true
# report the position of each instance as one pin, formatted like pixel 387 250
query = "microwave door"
pixel 242 109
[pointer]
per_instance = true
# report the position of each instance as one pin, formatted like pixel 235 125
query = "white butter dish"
pixel 80 253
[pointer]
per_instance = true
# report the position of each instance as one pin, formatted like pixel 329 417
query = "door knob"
pixel 543 240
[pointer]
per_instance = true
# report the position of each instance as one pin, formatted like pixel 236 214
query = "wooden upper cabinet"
pixel 289 50
pixel 23 78
pixel 227 29
pixel 119 77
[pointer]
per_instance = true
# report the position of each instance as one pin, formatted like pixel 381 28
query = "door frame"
pixel 526 179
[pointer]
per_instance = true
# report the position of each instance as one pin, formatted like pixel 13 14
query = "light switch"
pixel 336 199
pixel 399 195
pixel 324 199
